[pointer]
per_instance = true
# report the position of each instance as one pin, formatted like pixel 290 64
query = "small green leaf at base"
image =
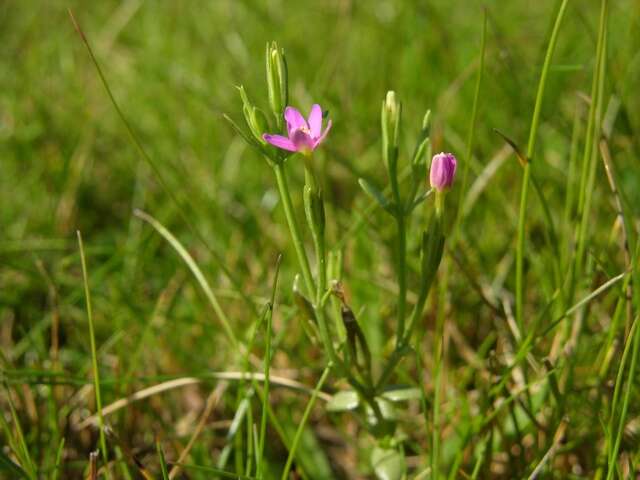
pixel 388 464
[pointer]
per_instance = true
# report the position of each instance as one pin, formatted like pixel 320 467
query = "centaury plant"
pixel 345 346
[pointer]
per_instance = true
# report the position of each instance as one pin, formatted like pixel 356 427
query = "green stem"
pixel 438 355
pixel 589 162
pixel 402 274
pixel 520 248
pixel 317 232
pixel 303 422
pixel 296 237
pixel 401 249
pixel 435 431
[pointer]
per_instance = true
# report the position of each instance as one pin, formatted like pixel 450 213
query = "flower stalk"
pixel 390 123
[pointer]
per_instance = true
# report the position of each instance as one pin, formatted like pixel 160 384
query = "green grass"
pixel 526 355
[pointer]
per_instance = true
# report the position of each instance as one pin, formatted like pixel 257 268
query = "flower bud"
pixel 277 82
pixel 391 109
pixel 253 116
pixel 443 171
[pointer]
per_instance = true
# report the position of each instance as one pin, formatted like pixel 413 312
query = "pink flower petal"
pixel 280 142
pixel 294 119
pixel 315 120
pixel 324 134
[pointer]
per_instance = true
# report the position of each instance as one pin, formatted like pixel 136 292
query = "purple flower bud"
pixel 443 171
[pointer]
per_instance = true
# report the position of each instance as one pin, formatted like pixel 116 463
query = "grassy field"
pixel 140 238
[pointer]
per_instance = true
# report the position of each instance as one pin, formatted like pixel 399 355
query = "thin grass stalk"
pixel 163 464
pixel 94 356
pixel 303 423
pixel 472 128
pixel 197 273
pixel 267 369
pixel 17 442
pixel 625 405
pixel 587 179
pixel 435 432
pixel 59 453
pixel 535 121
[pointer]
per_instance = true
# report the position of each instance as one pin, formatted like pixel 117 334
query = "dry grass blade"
pixel 181 382
pixel 93 466
pixel 212 402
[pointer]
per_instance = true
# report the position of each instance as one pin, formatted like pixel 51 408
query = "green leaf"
pixel 402 394
pixel 388 464
pixel 387 409
pixel 343 401
pixel 373 191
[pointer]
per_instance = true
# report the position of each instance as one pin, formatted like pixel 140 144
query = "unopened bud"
pixel 443 171
pixel 253 116
pixel 391 110
pixel 277 81
pixel 258 124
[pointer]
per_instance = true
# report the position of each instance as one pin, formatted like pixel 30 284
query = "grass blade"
pixel 94 356
pixel 535 121
pixel 303 423
pixel 267 364
pixel 195 270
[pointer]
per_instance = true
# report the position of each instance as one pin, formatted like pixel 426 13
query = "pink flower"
pixel 304 135
pixel 443 171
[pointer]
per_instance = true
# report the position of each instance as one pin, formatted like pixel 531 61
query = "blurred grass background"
pixel 66 164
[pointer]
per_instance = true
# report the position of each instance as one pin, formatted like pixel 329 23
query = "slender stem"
pixel 402 275
pixel 303 422
pixel 589 162
pixel 401 250
pixel 425 285
pixel 520 248
pixel 321 250
pixel 535 121
pixel 296 237
pixel 438 355
pixel 94 356
pixel 317 232
pixel 435 431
